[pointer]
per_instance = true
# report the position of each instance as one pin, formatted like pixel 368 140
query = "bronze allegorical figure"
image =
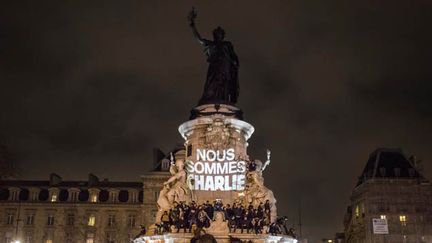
pixel 221 86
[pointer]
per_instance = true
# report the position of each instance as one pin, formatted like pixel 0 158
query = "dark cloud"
pixel 93 86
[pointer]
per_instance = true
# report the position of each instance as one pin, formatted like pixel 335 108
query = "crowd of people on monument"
pixel 240 218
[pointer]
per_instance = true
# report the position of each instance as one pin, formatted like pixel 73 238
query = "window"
pixel 69 238
pixel 110 238
pixel 14 196
pixel 74 196
pixel 28 238
pixel 91 220
pixel 113 196
pixel 93 197
pixel 189 150
pixel 156 195
pixel 397 172
pixel 382 171
pixel 357 211
pixel 10 218
pixel 383 216
pixel 34 195
pixel 131 220
pixel 133 197
pixel 165 164
pixel 54 197
pixel 90 238
pixel 50 220
pixel 111 220
pixel 30 219
pixel 70 220
pixel 403 220
pixel 411 172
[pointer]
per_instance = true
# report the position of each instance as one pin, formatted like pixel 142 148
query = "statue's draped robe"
pixel 222 84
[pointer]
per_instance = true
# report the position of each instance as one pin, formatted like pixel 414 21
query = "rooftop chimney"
pixel 54 179
pixel 92 180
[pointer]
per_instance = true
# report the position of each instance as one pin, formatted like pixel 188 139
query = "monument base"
pixel 220 238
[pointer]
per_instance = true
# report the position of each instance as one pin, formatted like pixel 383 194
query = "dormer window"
pixel 74 196
pixel 165 164
pixel 382 171
pixel 14 194
pixel 113 195
pixel 34 195
pixel 54 198
pixel 93 198
pixel 411 172
pixel 397 172
pixel 133 197
pixel 94 193
pixel 53 194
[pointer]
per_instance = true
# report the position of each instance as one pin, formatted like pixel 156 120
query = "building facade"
pixel 92 211
pixel 70 211
pixel 391 189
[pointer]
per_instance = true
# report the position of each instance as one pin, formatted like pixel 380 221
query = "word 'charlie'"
pixel 216 170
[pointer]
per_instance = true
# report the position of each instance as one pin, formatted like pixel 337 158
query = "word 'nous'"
pixel 213 155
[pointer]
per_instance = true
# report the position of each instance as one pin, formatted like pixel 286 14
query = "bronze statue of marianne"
pixel 221 86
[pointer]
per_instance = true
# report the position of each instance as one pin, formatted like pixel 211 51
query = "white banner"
pixel 380 226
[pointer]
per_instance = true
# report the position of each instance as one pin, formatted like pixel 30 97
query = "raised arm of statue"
pixel 267 161
pixel 191 17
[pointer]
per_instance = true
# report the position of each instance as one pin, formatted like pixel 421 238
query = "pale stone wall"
pixel 60 231
pixel 393 198
pixel 152 184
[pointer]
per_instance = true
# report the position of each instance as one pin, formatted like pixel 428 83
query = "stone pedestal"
pixel 186 238
pixel 217 128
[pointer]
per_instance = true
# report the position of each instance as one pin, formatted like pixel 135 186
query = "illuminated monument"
pixel 214 165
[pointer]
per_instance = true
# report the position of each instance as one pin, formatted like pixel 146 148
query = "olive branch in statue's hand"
pixel 192 16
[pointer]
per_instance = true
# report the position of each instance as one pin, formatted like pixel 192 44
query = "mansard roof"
pixel 56 181
pixel 68 184
pixel 389 163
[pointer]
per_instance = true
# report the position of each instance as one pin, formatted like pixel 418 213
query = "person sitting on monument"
pixel 142 232
pixel 267 205
pixel 274 229
pixel 228 212
pixel 192 218
pixel 292 233
pixel 238 211
pixel 165 221
pixel 261 207
pixel 218 205
pixel 267 217
pixel 257 225
pixel 181 221
pixel 282 222
pixel 208 208
pixel 203 219
pixel 173 216
pixel 245 224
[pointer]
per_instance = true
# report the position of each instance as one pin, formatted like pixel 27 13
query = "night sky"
pixel 93 86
